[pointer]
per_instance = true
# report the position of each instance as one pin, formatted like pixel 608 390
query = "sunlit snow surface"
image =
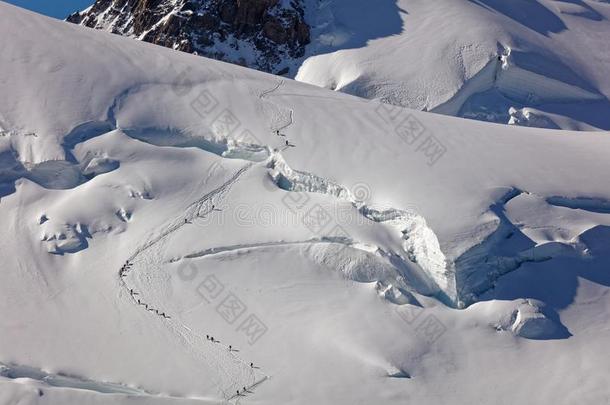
pixel 471 58
pixel 363 254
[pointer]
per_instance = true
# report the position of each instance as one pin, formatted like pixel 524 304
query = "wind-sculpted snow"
pixel 419 241
pixel 358 265
pixel 517 79
pixel 587 204
pixel 527 229
pixel 554 64
pixel 386 254
pixel 557 62
pixel 12 371
pixel 292 180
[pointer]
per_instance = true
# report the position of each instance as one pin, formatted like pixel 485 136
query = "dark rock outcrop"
pixel 262 34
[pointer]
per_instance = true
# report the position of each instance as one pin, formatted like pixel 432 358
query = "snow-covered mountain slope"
pixel 471 58
pixel 490 60
pixel 337 250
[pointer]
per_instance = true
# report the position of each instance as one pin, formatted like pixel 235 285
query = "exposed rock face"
pixel 262 34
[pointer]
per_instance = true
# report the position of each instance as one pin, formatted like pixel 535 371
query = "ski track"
pixel 234 373
pixel 278 114
pixel 237 397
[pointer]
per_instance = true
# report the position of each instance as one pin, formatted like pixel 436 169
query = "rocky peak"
pixel 262 34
